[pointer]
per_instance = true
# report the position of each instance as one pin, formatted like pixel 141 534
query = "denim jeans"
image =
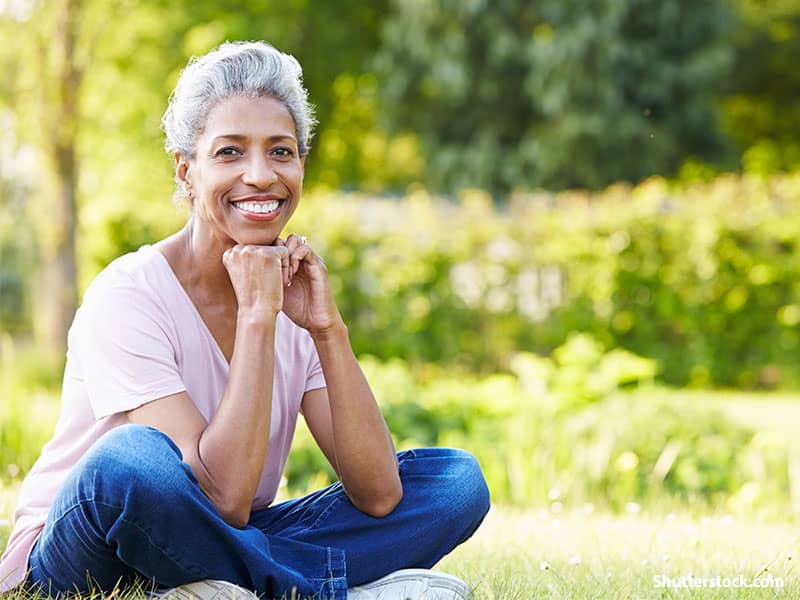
pixel 131 509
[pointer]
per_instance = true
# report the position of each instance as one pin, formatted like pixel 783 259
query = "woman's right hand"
pixel 258 275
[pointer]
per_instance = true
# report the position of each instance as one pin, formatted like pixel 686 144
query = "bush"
pixel 568 428
pixel 29 409
pixel 702 278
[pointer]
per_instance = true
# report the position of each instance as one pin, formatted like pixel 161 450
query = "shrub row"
pixel 704 278
pixel 582 426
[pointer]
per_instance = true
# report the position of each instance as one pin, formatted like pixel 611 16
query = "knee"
pixel 132 458
pixel 134 446
pixel 460 492
pixel 467 485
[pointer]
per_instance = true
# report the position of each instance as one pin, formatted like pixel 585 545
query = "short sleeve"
pixel 125 355
pixel 314 377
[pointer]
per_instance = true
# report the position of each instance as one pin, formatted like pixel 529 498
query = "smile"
pixel 258 210
pixel 261 208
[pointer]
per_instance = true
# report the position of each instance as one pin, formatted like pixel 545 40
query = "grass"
pixel 524 554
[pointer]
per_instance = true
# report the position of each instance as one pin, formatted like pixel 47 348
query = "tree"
pixel 87 92
pixel 556 93
pixel 761 110
pixel 49 74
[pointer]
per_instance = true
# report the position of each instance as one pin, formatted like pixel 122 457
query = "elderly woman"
pixel 187 365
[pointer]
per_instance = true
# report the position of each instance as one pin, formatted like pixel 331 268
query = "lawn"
pixel 525 554
pixel 521 555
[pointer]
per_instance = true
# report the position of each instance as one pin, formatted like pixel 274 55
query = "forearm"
pixel 234 446
pixel 365 456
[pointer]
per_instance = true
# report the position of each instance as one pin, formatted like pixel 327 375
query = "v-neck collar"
pixel 190 302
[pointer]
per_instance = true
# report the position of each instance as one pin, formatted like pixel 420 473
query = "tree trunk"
pixel 59 296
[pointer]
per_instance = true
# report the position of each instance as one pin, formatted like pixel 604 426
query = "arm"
pixel 344 419
pixel 349 428
pixel 226 455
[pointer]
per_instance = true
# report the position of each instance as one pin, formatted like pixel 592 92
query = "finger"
pixel 301 253
pixel 279 242
pixel 286 274
pixel 294 241
pixel 226 256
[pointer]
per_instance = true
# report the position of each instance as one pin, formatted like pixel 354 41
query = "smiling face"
pixel 246 176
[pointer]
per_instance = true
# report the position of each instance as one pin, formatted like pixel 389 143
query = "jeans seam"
pixel 323 514
pixel 145 532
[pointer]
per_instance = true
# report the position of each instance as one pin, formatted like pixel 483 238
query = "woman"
pixel 187 365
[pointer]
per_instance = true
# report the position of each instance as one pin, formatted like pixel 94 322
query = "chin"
pixel 256 239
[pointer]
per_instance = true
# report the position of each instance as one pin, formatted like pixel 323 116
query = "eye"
pixel 282 152
pixel 228 151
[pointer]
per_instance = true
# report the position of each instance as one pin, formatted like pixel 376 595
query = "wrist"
pixel 256 319
pixel 336 332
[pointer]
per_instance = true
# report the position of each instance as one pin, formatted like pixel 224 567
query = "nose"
pixel 259 171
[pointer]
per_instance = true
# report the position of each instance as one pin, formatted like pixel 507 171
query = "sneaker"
pixel 207 589
pixel 412 584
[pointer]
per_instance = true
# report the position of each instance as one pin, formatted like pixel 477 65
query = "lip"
pixel 250 216
pixel 257 198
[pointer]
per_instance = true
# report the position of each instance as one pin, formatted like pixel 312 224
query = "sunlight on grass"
pixel 536 554
pixel 524 554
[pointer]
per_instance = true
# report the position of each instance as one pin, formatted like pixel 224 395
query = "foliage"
pixel 18 250
pixel 562 429
pixel 555 94
pixel 702 278
pixel 760 108
pixel 27 415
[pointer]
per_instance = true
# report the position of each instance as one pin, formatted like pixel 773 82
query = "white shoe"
pixel 412 584
pixel 207 589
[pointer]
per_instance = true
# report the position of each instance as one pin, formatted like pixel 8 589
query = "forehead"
pixel 259 117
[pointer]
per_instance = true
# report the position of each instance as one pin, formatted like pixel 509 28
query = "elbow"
pixel 234 514
pixel 381 505
pixel 233 511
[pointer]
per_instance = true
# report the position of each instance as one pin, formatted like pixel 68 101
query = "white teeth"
pixel 258 207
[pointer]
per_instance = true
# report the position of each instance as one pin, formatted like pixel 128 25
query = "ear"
pixel 182 171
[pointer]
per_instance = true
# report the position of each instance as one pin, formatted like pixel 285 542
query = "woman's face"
pixel 246 176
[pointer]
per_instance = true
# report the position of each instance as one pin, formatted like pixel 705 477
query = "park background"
pixel 564 236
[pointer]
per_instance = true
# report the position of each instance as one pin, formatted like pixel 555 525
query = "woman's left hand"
pixel 308 298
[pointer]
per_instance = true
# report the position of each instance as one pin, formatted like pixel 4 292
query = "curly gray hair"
pixel 235 69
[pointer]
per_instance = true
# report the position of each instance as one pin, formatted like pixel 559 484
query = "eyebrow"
pixel 237 137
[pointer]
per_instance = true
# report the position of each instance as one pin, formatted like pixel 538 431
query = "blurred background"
pixel 564 235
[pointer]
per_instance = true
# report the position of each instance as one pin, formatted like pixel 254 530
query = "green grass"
pixel 526 554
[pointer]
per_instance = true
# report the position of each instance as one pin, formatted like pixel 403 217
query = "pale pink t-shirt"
pixel 138 337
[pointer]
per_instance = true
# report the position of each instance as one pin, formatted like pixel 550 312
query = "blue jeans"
pixel 131 509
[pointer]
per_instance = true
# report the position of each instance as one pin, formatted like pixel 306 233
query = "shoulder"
pixel 132 283
pixel 136 270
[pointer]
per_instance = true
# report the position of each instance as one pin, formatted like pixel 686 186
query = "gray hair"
pixel 235 69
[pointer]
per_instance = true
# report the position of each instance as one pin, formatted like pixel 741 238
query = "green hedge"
pixel 582 426
pixel 704 278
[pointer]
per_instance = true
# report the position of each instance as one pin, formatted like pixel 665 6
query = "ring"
pixel 303 239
